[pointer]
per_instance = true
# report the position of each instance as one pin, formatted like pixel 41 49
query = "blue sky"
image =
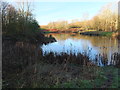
pixel 46 12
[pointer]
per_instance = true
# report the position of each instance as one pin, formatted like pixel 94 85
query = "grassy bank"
pixel 44 75
pixel 88 32
pixel 25 66
pixel 97 33
pixel 56 76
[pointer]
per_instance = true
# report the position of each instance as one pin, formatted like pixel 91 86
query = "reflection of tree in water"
pixel 96 41
pixel 106 46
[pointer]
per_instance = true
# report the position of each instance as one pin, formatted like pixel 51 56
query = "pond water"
pixel 76 43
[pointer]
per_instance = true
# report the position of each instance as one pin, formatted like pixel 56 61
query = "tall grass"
pixel 25 66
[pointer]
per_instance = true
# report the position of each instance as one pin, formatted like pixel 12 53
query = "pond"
pixel 76 43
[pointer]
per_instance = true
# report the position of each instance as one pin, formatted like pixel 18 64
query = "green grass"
pixel 97 33
pixel 106 33
pixel 42 29
pixel 68 75
pixel 100 79
pixel 46 32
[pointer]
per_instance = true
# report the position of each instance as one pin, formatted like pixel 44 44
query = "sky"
pixel 46 11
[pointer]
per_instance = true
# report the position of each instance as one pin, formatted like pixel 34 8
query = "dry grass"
pixel 25 66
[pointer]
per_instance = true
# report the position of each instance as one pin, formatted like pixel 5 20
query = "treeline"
pixel 105 20
pixel 18 21
pixel 58 25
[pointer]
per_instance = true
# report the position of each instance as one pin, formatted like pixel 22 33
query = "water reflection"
pixel 76 43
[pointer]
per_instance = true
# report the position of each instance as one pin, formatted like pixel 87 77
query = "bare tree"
pixel 4 6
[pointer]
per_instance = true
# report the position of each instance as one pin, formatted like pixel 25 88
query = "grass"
pixel 87 32
pixel 55 76
pixel 46 32
pixel 23 69
pixel 42 29
pixel 106 33
pixel 90 77
pixel 97 33
pixel 100 80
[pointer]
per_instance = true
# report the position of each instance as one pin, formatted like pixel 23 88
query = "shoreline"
pixel 21 59
pixel 89 33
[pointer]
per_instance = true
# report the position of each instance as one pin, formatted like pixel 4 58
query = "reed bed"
pixel 24 65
